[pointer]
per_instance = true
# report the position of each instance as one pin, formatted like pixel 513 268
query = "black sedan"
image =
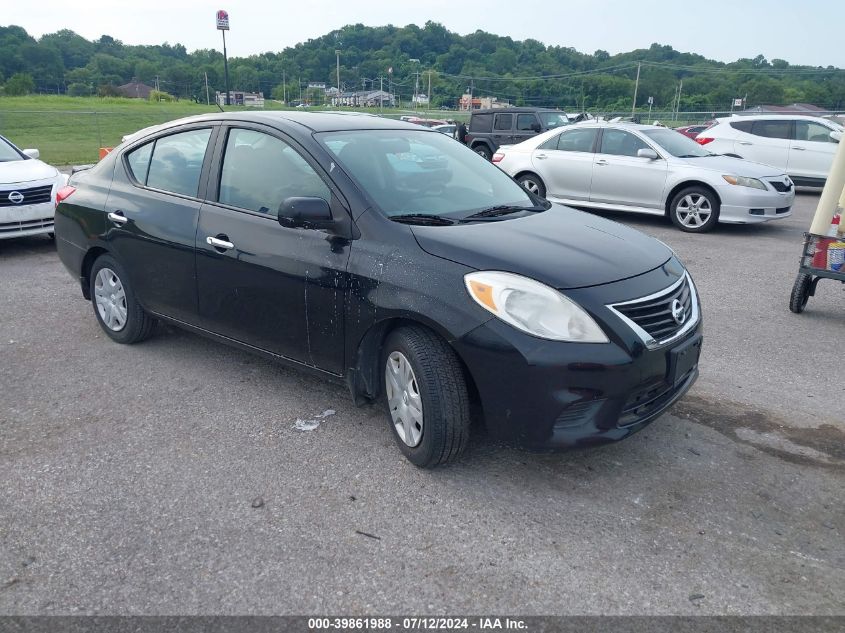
pixel 388 256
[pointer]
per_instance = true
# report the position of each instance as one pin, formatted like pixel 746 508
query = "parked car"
pixel 27 192
pixel 448 129
pixel 647 169
pixel 691 131
pixel 490 129
pixel 304 238
pixel 801 146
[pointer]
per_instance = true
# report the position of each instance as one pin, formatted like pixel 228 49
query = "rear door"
pixel 810 153
pixel 565 163
pixel 525 127
pixel 621 177
pixel 768 142
pixel 278 289
pixel 153 208
pixel 503 128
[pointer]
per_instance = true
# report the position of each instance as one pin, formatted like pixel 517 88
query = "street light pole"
pixel 337 52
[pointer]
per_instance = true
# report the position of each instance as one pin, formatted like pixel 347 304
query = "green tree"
pixel 19 84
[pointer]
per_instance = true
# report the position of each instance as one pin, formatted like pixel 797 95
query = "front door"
pixel 810 153
pixel 621 177
pixel 275 288
pixel 153 208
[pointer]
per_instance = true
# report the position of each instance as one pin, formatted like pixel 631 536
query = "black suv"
pixel 488 129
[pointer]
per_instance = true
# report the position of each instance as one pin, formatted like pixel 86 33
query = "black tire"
pixel 138 325
pixel 483 151
pixel 442 388
pixel 533 183
pixel 681 202
pixel 800 293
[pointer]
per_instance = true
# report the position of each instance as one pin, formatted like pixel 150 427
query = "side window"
pixel 177 162
pixel 550 144
pixel 772 128
pixel 503 122
pixel 481 123
pixel 525 122
pixel 260 171
pixel 139 162
pixel 813 132
pixel 578 140
pixel 621 143
pixel 742 126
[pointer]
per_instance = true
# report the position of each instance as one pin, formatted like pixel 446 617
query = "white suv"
pixel 802 146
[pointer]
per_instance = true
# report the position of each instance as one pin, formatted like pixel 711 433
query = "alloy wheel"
pixel 693 210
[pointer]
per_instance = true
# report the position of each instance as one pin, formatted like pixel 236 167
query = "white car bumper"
pixel 33 215
pixel 746 205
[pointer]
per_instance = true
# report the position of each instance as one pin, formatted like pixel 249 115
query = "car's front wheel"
pixel 117 311
pixel 533 183
pixel 694 210
pixel 426 395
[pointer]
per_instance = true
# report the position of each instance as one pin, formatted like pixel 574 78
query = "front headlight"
pixel 742 181
pixel 533 307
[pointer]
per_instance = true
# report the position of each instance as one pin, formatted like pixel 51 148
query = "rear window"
pixel 504 121
pixel 578 140
pixel 742 126
pixel 481 123
pixel 176 162
pixel 771 129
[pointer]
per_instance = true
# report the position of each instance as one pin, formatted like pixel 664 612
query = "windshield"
pixel 553 119
pixel 408 172
pixel 676 143
pixel 8 152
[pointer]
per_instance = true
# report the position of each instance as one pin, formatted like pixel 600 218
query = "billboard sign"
pixel 222 20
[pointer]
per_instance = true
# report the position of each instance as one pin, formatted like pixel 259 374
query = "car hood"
pixel 561 247
pixel 17 171
pixel 733 166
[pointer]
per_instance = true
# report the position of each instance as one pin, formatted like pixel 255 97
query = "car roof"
pixel 770 117
pixel 514 110
pixel 313 121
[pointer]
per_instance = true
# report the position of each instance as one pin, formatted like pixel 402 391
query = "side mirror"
pixel 536 127
pixel 32 153
pixel 305 213
pixel 836 136
pixel 647 153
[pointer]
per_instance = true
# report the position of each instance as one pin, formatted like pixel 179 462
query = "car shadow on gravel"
pixel 20 246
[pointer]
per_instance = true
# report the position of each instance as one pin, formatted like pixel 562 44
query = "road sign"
pixel 222 20
pixel 737 103
pixel 651 101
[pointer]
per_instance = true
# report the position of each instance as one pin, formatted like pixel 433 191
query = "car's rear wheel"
pixel 426 396
pixel 533 183
pixel 694 210
pixel 483 151
pixel 117 311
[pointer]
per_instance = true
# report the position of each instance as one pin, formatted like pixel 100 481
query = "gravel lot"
pixel 130 476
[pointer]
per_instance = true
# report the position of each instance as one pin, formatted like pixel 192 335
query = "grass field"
pixel 70 130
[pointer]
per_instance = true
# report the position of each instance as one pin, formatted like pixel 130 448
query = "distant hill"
pixel 522 72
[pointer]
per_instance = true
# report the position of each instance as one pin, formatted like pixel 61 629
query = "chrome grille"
pixel 32 195
pixel 652 317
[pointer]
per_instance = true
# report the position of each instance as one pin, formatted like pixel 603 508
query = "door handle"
pixel 601 161
pixel 799 149
pixel 118 218
pixel 541 157
pixel 745 143
pixel 219 244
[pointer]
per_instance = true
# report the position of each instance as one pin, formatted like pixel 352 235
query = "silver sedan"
pixel 647 169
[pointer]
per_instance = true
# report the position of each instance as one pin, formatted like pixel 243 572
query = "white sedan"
pixel 27 192
pixel 647 169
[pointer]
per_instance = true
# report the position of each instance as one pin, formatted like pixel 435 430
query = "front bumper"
pixel 21 220
pixel 551 395
pixel 745 205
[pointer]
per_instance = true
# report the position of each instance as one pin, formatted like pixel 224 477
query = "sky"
pixel 807 32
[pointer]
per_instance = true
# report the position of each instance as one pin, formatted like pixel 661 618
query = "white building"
pixel 248 99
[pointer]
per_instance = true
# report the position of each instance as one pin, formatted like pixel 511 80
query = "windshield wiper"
pixel 504 209
pixel 424 219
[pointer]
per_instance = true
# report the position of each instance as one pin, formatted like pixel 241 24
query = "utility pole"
pixel 429 90
pixel 284 87
pixel 416 82
pixel 636 89
pixel 207 98
pixel 380 93
pixel 680 89
pixel 337 53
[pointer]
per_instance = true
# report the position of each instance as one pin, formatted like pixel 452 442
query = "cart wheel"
pixel 800 293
